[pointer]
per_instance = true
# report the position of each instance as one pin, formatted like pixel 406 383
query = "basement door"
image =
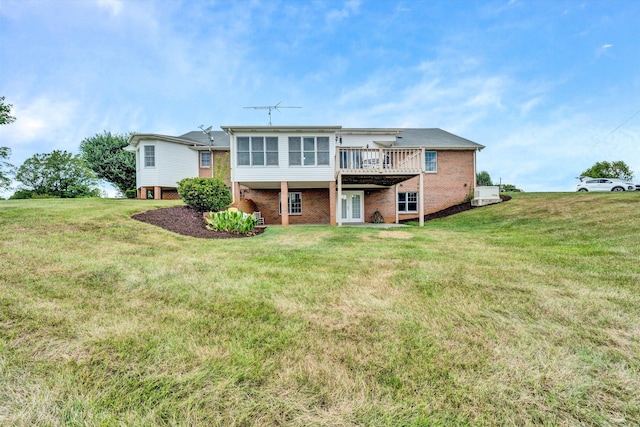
pixel 352 206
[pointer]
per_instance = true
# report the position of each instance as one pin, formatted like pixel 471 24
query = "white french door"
pixel 352 206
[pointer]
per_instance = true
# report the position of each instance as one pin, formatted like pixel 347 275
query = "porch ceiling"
pixel 382 180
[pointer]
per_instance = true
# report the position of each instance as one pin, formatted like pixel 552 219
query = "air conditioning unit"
pixel 486 195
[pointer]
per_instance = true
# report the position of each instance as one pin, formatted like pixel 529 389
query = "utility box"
pixel 486 195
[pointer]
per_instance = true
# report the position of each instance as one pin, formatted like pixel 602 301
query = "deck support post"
pixel 284 203
pixel 332 203
pixel 421 196
pixel 339 213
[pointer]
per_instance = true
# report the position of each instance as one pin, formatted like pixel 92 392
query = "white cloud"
pixel 37 120
pixel 114 6
pixel 350 8
pixel 603 49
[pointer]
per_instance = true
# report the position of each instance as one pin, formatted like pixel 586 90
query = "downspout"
pixel 232 160
pixel 475 172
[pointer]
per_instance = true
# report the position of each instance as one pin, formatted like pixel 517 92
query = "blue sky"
pixel 549 87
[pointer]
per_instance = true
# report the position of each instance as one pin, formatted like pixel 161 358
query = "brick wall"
pixel 383 200
pixel 449 186
pixel 170 195
pixel 315 205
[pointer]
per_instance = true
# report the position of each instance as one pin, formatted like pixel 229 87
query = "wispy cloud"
pixel 350 8
pixel 38 120
pixel 602 50
pixel 114 6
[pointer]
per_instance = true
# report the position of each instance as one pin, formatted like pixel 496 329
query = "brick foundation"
pixel 315 206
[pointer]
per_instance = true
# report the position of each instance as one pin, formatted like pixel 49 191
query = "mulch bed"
pixel 185 221
pixel 452 210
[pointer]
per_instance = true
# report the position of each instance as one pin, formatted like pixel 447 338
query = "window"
pixel 295 203
pixel 408 202
pixel 430 161
pixel 308 151
pixel 205 159
pixel 257 151
pixel 149 156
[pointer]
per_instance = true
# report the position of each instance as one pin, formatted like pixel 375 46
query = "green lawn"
pixel 522 313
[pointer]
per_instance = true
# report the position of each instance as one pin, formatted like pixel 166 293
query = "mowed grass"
pixel 522 313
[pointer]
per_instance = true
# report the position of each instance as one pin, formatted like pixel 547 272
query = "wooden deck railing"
pixel 367 161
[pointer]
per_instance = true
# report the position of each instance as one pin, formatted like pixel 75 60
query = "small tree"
pixel 57 174
pixel 105 156
pixel 510 188
pixel 5 113
pixel 204 194
pixel 618 169
pixel 483 178
pixel 6 168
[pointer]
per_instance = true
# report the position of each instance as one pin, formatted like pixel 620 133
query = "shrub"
pixel 204 194
pixel 231 221
pixel 22 194
pixel 131 194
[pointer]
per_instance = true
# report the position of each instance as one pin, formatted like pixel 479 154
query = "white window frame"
pixel 433 168
pixel 202 165
pixel 149 159
pixel 406 201
pixel 305 154
pixel 270 157
pixel 293 204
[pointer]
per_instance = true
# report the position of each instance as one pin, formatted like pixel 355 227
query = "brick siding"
pixel 170 195
pixel 315 205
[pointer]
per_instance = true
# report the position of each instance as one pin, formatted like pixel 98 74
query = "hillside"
pixel 523 313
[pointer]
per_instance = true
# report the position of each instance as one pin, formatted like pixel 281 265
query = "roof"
pixel 434 138
pixel 197 140
pixel 220 139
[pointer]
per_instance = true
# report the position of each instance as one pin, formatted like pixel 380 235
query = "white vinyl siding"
pixel 430 161
pixel 173 162
pixel 286 169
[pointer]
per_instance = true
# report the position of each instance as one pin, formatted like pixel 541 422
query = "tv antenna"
pixel 207 132
pixel 271 107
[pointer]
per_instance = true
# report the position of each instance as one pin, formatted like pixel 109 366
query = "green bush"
pixel 22 194
pixel 232 221
pixel 131 194
pixel 204 194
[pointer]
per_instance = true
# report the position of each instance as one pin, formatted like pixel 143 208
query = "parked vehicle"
pixel 605 184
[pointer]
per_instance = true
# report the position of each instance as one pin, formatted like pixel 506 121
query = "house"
pixel 324 174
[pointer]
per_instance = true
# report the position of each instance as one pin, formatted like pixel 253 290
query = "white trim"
pixel 145 156
pixel 424 165
pixel 346 199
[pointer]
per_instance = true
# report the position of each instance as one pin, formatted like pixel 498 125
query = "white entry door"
pixel 352 206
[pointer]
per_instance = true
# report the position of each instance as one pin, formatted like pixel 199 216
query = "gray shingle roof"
pixel 220 139
pixel 433 138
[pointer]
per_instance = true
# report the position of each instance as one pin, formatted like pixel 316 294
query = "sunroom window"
pixel 309 151
pixel 257 151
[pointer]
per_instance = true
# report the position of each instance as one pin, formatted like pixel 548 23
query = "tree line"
pixel 67 175
pixel 63 174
